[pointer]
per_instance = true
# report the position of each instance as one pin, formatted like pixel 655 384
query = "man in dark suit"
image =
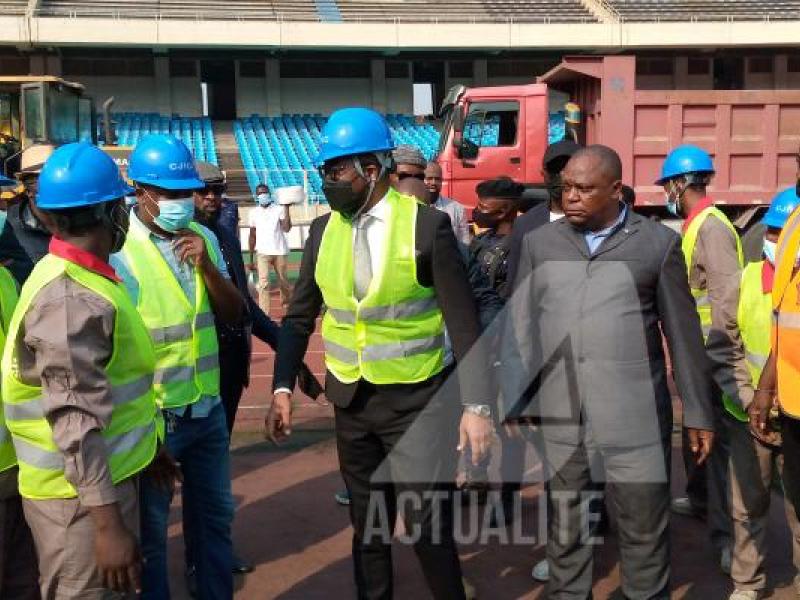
pixel 605 282
pixel 390 274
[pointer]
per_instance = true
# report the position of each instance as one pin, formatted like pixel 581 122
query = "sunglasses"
pixel 216 189
pixel 420 176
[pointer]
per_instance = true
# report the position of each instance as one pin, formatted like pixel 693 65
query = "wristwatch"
pixel 481 410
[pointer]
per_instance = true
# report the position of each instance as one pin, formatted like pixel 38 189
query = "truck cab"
pixel 488 132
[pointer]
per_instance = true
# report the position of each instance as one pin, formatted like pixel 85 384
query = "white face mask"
pixel 769 251
pixel 263 199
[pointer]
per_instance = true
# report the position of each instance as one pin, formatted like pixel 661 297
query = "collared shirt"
pixel 184 274
pixel 595 238
pixel 458 217
pixel 65 343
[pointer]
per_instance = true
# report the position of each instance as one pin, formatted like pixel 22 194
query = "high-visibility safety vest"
pixel 754 316
pixel 688 245
pixel 185 337
pixel 395 334
pixel 8 301
pixel 786 315
pixel 132 434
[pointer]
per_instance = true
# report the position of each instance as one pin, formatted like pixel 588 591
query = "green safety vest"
pixel 185 337
pixel 395 334
pixel 688 245
pixel 754 316
pixel 132 434
pixel 8 301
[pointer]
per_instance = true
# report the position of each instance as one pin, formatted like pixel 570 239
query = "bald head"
pixel 606 159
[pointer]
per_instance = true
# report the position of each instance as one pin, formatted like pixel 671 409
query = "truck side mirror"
pixel 468 149
pixel 458 118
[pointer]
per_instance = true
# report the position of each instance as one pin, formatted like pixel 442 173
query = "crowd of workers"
pixel 127 320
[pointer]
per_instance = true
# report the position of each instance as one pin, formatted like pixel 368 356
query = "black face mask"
pixel 485 220
pixel 343 199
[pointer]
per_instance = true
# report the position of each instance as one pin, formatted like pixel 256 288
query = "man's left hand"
pixel 702 442
pixel 479 433
pixel 190 247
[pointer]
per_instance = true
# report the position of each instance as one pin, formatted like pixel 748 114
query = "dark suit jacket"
pixel 533 219
pixel 440 265
pixel 587 331
pixel 234 342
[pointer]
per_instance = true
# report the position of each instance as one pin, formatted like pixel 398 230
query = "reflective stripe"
pixel 757 360
pixel 702 300
pixel 205 319
pixel 129 440
pixel 173 375
pixel 789 320
pixel 786 235
pixel 346 317
pixel 403 310
pixel 706 330
pixel 402 349
pixel 208 363
pixel 38 457
pixel 171 334
pixel 340 353
pixel 120 394
pixel 54 461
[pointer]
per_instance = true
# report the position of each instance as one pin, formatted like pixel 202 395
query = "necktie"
pixel 361 259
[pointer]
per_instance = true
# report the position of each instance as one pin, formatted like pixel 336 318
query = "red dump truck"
pixel 753 135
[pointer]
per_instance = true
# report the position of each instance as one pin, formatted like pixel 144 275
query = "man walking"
pixel 606 282
pixel 177 278
pixel 390 274
pixel 714 259
pixel 455 210
pixel 269 223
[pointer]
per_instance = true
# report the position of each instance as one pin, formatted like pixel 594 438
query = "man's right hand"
pixel 278 423
pixel 702 442
pixel 116 551
pixel 758 414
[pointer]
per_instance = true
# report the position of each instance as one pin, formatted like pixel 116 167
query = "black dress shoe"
pixel 240 567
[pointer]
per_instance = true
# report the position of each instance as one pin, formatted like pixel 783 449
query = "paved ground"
pixel 288 524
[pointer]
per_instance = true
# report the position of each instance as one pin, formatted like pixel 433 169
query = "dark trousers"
pixel 396 448
pixel 641 505
pixel 790 432
pixel 707 485
pixel 19 569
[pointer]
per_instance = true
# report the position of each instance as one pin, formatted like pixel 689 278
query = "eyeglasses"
pixel 420 176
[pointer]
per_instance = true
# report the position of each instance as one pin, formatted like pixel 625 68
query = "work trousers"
pixel 201 447
pixel 406 456
pixel 707 485
pixel 641 504
pixel 753 466
pixel 279 264
pixel 63 531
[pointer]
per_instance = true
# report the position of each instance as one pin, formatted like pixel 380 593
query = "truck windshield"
pixel 492 124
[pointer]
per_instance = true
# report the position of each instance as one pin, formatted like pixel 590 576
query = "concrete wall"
pixel 131 94
pixel 399 96
pixel 251 96
pixel 324 95
pixel 186 97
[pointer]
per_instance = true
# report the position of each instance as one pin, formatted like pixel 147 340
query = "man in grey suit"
pixel 594 293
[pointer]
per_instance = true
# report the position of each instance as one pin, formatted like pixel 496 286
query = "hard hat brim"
pixel 122 191
pixel 192 183
pixel 666 178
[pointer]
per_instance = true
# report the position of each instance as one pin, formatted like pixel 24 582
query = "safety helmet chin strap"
pixel 679 185
pixel 385 161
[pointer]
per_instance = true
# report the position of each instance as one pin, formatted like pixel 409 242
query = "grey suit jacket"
pixel 584 336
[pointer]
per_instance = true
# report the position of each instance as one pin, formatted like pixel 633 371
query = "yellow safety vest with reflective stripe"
pixel 754 316
pixel 688 245
pixel 8 301
pixel 786 314
pixel 131 435
pixel 395 334
pixel 184 335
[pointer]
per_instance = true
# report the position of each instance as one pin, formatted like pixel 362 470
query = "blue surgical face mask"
pixel 264 199
pixel 769 251
pixel 175 214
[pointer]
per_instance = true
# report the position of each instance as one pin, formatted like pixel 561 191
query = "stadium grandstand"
pixel 706 10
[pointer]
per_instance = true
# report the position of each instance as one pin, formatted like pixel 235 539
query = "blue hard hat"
pixel 783 204
pixel 79 174
pixel 164 161
pixel 683 160
pixel 353 131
